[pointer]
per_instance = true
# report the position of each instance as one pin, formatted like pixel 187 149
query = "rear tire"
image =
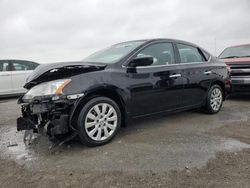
pixel 214 100
pixel 99 121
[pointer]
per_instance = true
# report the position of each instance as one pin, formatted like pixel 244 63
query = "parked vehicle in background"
pixel 238 58
pixel 94 97
pixel 13 74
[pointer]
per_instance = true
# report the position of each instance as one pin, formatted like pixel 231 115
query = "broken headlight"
pixel 47 88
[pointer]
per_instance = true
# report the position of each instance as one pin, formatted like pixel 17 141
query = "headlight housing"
pixel 47 88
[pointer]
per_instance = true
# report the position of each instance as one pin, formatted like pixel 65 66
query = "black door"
pixel 156 87
pixel 196 72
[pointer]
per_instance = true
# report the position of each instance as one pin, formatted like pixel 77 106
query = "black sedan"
pixel 93 98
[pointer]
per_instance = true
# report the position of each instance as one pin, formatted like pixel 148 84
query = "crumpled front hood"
pixel 53 71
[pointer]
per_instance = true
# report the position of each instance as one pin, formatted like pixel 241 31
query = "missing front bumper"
pixel 51 116
pixel 25 124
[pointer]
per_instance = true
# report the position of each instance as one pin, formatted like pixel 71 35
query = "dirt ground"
pixel 188 149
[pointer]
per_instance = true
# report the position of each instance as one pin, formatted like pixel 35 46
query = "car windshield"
pixel 234 52
pixel 113 53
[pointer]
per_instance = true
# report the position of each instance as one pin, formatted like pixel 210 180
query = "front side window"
pixel 234 52
pixel 4 66
pixel 113 53
pixel 189 54
pixel 22 66
pixel 163 53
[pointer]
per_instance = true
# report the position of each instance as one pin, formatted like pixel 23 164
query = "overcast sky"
pixel 61 30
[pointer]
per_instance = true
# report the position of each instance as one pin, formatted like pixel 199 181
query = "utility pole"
pixel 215 46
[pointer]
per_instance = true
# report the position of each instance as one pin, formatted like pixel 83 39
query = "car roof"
pixel 170 40
pixel 159 40
pixel 146 41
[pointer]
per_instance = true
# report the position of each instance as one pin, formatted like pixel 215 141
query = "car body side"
pixel 139 91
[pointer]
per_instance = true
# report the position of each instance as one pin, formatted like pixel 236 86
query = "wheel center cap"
pixel 101 122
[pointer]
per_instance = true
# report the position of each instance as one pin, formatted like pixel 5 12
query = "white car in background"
pixel 13 74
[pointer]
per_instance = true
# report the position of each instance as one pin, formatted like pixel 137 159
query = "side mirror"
pixel 141 61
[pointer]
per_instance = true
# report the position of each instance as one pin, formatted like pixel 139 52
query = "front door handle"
pixel 175 76
pixel 208 72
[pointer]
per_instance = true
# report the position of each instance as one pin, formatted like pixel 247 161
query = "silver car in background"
pixel 13 74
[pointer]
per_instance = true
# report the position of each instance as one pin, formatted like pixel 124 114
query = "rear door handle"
pixel 208 72
pixel 175 76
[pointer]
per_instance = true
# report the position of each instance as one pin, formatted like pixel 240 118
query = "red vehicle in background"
pixel 238 58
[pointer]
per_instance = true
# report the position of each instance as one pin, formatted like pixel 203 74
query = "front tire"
pixel 214 100
pixel 99 121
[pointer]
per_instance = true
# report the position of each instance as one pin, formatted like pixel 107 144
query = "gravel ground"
pixel 188 149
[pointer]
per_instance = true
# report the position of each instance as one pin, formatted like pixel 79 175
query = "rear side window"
pixel 189 54
pixel 4 66
pixel 23 65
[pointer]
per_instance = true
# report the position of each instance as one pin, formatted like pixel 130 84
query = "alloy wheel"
pixel 101 122
pixel 216 99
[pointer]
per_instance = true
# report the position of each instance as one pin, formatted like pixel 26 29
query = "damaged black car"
pixel 94 97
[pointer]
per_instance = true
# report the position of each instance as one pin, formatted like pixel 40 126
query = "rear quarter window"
pixel 206 55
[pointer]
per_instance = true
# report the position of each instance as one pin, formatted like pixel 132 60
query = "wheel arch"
pixel 101 92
